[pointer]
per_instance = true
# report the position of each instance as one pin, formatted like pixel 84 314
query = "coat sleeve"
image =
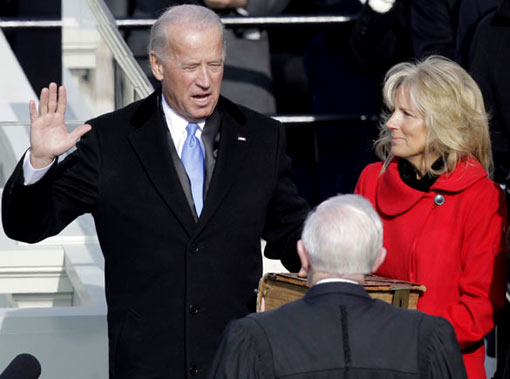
pixel 68 190
pixel 286 212
pixel 482 281
pixel 440 355
pixel 372 39
pixel 492 80
pixel 266 7
pixel 433 28
pixel 244 352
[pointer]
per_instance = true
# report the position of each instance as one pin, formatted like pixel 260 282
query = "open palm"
pixel 49 136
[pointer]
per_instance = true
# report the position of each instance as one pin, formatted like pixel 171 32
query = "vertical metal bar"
pixel 107 27
pixel 117 86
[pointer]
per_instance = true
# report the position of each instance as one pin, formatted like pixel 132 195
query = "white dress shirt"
pixel 333 280
pixel 177 126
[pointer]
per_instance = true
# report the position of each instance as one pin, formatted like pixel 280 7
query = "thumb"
pixel 78 132
pixel 302 273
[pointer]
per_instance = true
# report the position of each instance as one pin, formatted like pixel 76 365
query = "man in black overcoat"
pixel 337 330
pixel 179 263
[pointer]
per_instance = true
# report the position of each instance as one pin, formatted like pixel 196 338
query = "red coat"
pixel 455 249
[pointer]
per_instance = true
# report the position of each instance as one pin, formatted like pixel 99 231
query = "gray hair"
pixel 192 16
pixel 343 235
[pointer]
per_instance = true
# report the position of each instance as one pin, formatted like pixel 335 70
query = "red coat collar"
pixel 394 197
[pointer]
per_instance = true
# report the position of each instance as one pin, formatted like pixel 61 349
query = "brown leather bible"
pixel 277 289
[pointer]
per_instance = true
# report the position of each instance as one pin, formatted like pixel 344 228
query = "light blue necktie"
pixel 193 160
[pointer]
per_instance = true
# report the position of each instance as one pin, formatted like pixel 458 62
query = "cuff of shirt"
pixel 381 6
pixel 33 175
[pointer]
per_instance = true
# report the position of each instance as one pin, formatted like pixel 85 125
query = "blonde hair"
pixel 452 106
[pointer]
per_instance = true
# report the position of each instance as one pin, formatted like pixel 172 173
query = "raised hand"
pixel 49 136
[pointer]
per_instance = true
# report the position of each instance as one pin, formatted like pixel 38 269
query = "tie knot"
pixel 191 129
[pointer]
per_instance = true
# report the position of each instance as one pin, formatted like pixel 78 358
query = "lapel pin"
pixel 239 138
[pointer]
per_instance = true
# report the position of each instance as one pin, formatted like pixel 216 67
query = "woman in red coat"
pixel 444 219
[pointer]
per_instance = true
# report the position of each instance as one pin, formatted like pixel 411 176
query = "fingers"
pixel 33 112
pixel 62 100
pixel 302 273
pixel 43 101
pixel 52 103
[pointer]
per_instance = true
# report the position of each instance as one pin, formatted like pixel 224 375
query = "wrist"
pixel 38 162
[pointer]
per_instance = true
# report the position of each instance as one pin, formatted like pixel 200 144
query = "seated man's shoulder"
pixel 412 318
pixel 284 313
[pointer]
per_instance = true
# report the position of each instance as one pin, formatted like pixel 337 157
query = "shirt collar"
pixel 176 123
pixel 334 280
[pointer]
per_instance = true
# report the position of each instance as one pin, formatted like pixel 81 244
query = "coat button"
pixel 439 199
pixel 193 309
pixel 193 370
pixel 194 249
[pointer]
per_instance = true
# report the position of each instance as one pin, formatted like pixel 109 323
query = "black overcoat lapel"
pixel 232 152
pixel 150 142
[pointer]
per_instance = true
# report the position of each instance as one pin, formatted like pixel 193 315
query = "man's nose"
pixel 203 80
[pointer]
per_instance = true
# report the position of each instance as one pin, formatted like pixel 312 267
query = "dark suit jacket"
pixel 380 40
pixel 446 27
pixel 338 331
pixel 490 54
pixel 172 284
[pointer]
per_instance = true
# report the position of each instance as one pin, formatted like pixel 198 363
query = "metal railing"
pixel 121 52
pixel 109 27
pixel 289 120
pixel 33 23
pixel 229 21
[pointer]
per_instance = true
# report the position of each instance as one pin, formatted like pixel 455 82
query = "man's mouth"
pixel 201 98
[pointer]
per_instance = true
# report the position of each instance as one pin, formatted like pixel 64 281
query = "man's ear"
pixel 156 66
pixel 379 260
pixel 304 258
